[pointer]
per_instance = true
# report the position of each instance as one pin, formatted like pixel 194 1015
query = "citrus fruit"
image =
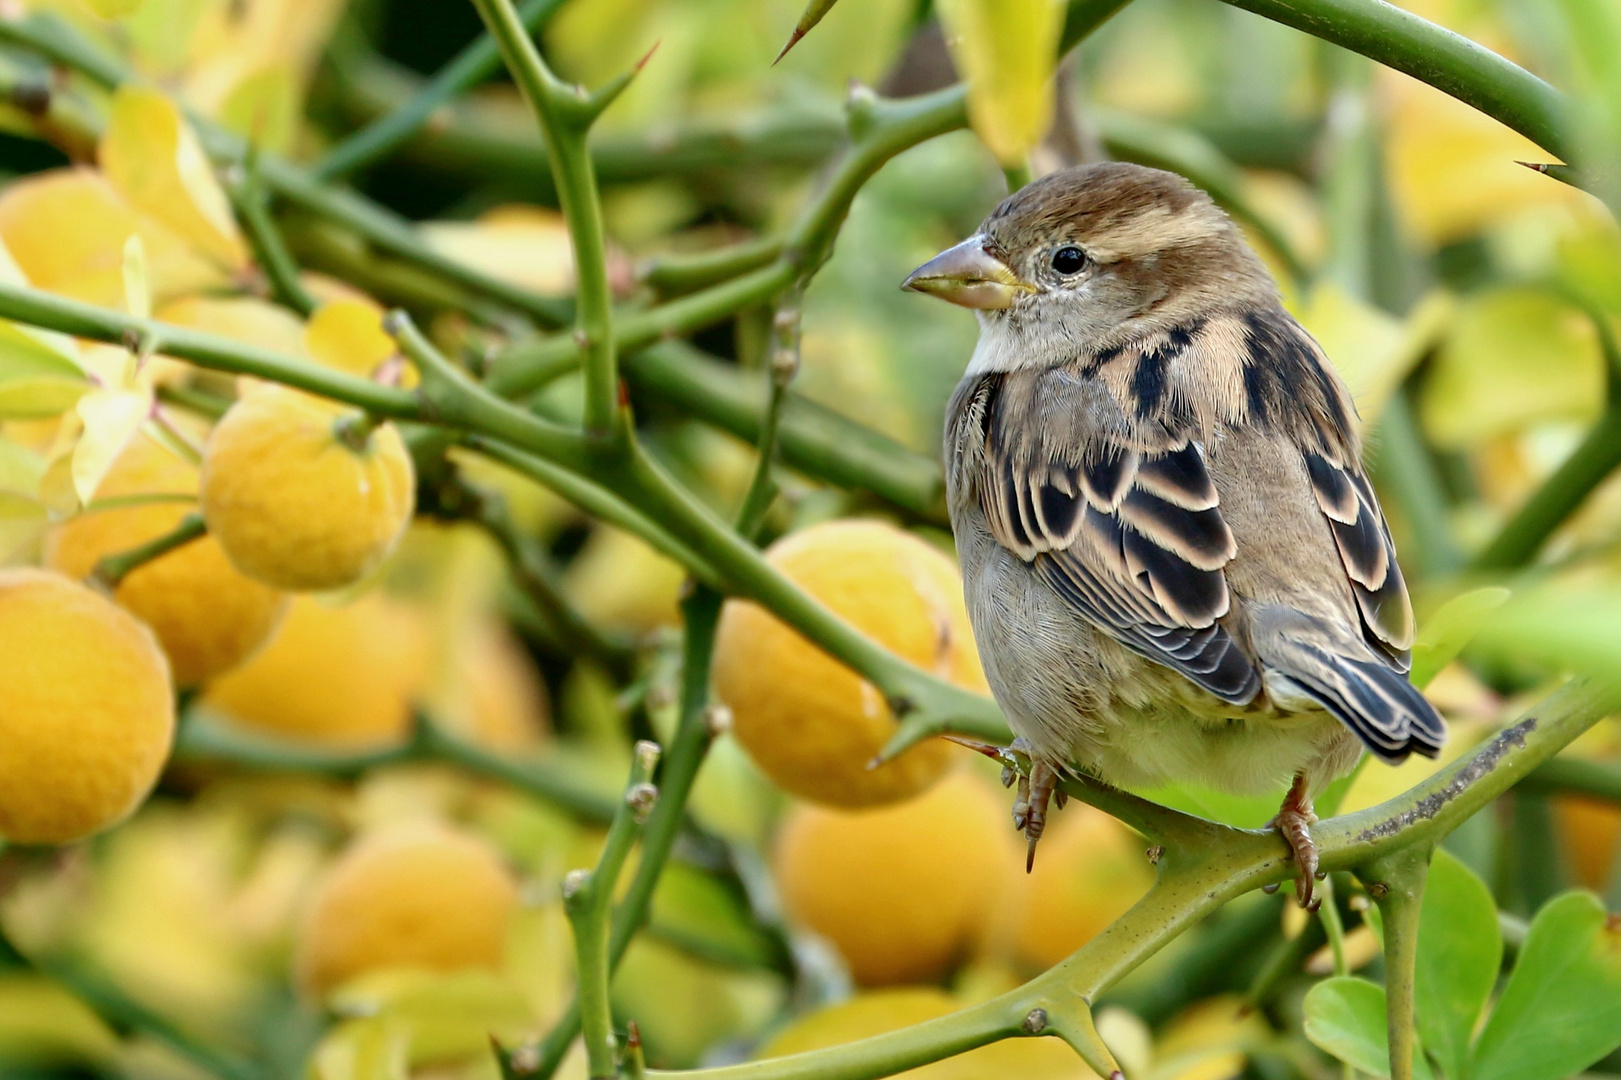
pixel 422 897
pixel 877 1012
pixel 208 617
pixel 86 709
pixel 301 496
pixel 492 692
pixel 338 675
pixel 1089 869
pixel 811 723
pixel 900 891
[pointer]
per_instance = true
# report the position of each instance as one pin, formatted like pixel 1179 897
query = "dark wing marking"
pixel 1347 500
pixel 1129 534
pixel 1376 702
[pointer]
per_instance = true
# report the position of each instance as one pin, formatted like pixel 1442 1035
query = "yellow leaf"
pixel 1007 50
pixel 525 245
pixel 348 335
pixel 1515 357
pixel 137 293
pixel 39 396
pixel 263 108
pixel 153 158
pixel 66 229
pixel 111 418
pixel 241 318
pixel 114 9
pixel 372 1049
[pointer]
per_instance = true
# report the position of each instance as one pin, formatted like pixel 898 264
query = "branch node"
pixel 573 882
pixel 1035 1022
pixel 641 798
pixel 717 720
pixel 1157 852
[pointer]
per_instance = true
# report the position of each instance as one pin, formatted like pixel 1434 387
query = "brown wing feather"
pixel 1120 518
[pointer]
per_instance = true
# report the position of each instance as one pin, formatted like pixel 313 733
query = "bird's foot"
pixel 1031 805
pixel 1294 821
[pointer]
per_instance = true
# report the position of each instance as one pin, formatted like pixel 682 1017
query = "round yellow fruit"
pixel 337 675
pixel 811 723
pixel 1089 869
pixel 900 891
pixel 208 617
pixel 878 1012
pixel 424 897
pixel 298 497
pixel 86 709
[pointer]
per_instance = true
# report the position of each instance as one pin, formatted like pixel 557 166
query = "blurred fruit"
pixel 808 721
pixel 493 693
pixel 620 581
pixel 340 675
pixel 878 1011
pixel 298 499
pixel 684 1005
pixel 208 617
pixel 86 709
pixel 1089 869
pixel 1589 830
pixel 424 897
pixel 901 891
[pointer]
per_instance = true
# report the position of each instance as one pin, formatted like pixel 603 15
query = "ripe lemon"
pixel 900 890
pixel 422 897
pixel 337 675
pixel 208 617
pixel 1089 869
pixel 809 722
pixel 876 1012
pixel 295 505
pixel 86 709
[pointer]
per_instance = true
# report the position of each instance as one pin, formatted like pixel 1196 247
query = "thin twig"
pixel 111 570
pixel 269 251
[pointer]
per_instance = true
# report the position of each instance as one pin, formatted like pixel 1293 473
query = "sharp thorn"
pixel 990 750
pixel 793 39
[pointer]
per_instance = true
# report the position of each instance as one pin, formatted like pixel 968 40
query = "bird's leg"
pixel 1294 821
pixel 1030 811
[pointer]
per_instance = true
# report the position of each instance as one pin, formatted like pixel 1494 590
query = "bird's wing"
pixel 1119 516
pixel 1295 387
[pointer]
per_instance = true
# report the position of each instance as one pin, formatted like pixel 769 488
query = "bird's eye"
pixel 1069 259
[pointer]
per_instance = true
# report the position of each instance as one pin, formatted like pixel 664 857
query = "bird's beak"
pixel 969 276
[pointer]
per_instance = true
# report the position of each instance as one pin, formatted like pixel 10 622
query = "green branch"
pixel 587 897
pixel 1398 888
pixel 473 65
pixel 111 571
pixel 565 114
pixel 264 238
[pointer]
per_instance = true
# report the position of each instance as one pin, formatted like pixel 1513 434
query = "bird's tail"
pixel 1308 657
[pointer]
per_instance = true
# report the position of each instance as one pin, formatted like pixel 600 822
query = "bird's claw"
pixel 1294 821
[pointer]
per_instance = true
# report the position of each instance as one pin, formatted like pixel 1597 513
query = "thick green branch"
pixel 565 115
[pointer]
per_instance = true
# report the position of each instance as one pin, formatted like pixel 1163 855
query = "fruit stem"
pixel 111 571
pixel 354 430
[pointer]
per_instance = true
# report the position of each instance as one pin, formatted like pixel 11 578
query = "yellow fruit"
pixel 86 709
pixel 1590 829
pixel 338 675
pixel 1089 869
pixel 879 1011
pixel 424 897
pixel 899 890
pixel 208 617
pixel 811 723
pixel 292 503
pixel 495 695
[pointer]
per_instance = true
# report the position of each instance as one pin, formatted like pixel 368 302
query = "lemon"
pixel 86 709
pixel 809 722
pixel 337 675
pixel 421 897
pixel 877 1012
pixel 1089 870
pixel 208 617
pixel 293 504
pixel 901 891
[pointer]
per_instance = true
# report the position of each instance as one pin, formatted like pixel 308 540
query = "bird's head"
pixel 1096 253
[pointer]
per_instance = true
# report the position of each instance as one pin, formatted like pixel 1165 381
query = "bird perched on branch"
pixel 1175 567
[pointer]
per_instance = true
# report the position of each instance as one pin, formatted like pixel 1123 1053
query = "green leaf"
pixel 448 1015
pixel 372 1049
pixel 1561 1009
pixel 1345 1016
pixel 701 914
pixel 1451 627
pixel 1460 950
pixel 807 20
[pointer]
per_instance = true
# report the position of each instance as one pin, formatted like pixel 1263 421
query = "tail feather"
pixel 1344 676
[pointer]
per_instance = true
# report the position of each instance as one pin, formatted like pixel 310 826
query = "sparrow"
pixel 1174 565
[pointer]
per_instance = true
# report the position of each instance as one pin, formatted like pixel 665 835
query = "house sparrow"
pixel 1174 565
